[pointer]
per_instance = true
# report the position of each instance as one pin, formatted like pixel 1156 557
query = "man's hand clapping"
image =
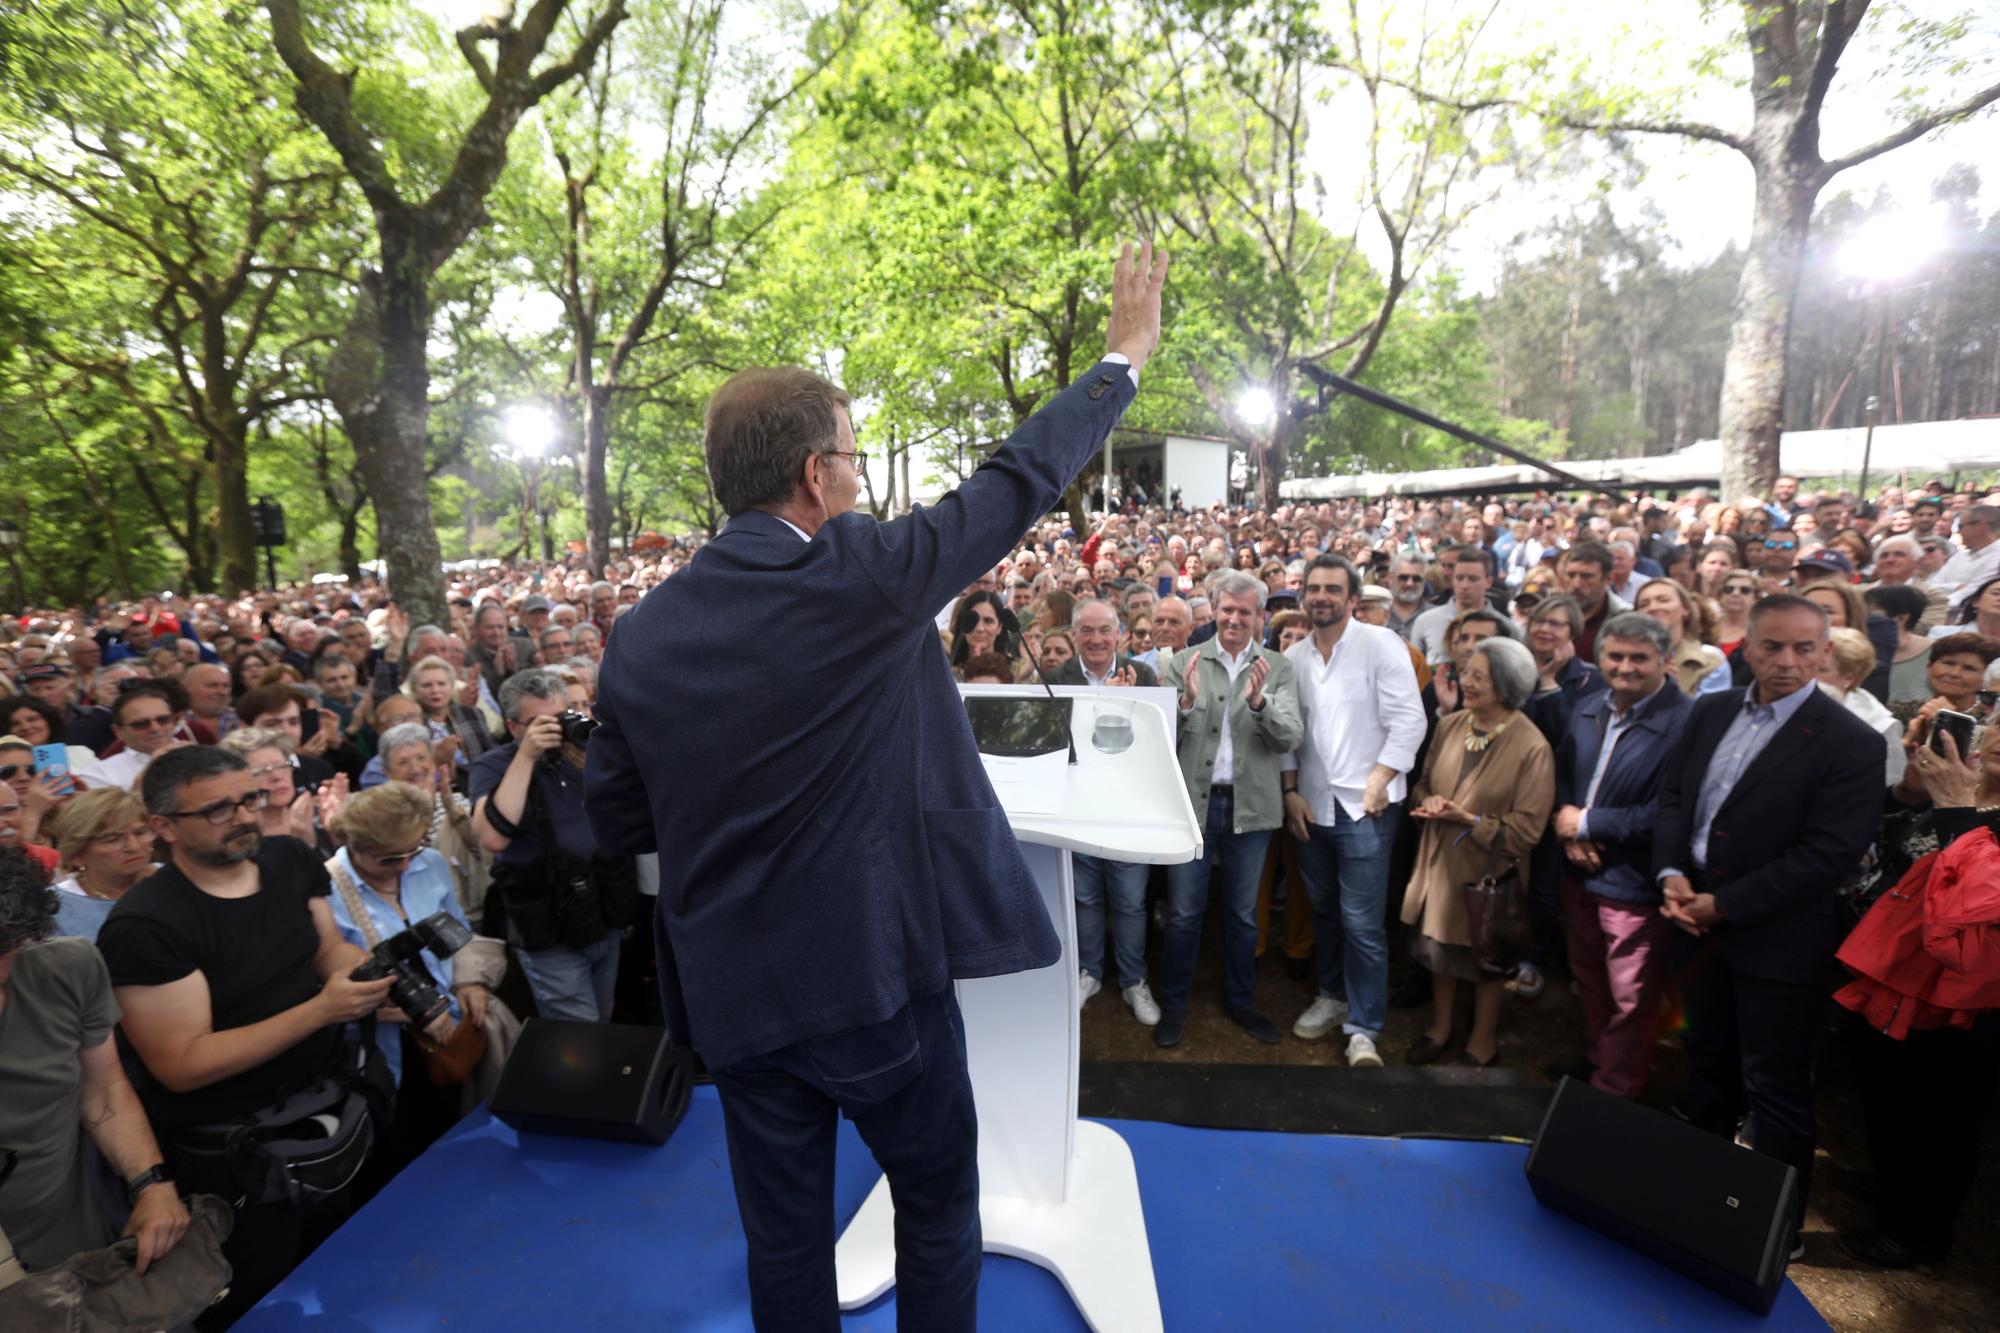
pixel 1136 283
pixel 1258 674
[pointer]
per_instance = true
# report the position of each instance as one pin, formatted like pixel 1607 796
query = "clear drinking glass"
pixel 1111 727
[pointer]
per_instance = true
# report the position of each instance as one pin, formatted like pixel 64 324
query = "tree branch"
pixel 1911 132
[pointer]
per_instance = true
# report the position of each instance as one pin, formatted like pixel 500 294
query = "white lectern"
pixel 1053 1190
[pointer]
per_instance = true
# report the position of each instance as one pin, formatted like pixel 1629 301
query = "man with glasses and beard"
pixel 233 982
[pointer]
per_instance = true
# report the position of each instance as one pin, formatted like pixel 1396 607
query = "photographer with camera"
pixel 396 897
pixel 564 903
pixel 234 986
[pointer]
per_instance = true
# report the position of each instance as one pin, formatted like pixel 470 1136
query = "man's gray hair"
pixel 539 683
pixel 1621 547
pixel 542 640
pixel 1633 625
pixel 602 585
pixel 403 733
pixel 1238 583
pixel 1902 542
pixel 1083 603
pixel 1515 674
pixel 1196 601
pixel 1987 514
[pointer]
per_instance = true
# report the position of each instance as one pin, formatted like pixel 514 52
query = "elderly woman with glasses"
pixel 289 812
pixel 386 878
pixel 106 846
pixel 1484 799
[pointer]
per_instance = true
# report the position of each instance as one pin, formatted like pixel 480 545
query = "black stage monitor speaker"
pixel 594 1080
pixel 1699 1204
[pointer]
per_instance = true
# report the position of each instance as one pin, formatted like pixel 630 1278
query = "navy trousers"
pixel 903 1083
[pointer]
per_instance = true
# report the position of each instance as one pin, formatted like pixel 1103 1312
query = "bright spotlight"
pixel 1256 406
pixel 1892 245
pixel 531 430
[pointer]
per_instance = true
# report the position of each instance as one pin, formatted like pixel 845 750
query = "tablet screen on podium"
pixel 1015 728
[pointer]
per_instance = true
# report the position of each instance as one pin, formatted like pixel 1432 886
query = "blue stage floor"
pixel 1248 1231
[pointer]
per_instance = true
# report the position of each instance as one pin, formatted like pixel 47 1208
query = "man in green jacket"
pixel 1239 711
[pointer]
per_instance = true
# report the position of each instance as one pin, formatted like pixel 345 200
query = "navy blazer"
pixel 1621 816
pixel 780 723
pixel 1790 832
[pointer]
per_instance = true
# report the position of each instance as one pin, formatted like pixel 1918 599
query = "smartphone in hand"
pixel 54 759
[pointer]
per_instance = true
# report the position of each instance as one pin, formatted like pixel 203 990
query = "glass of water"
pixel 1111 727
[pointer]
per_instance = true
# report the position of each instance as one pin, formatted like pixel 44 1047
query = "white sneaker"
pixel 1361 1053
pixel 1324 1016
pixel 1144 1007
pixel 1086 986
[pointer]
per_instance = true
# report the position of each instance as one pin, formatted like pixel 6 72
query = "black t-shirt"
pixel 256 954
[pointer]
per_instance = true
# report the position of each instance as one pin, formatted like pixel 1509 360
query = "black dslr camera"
pixel 576 727
pixel 444 935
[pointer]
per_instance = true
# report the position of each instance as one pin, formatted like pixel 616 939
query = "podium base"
pixel 1094 1241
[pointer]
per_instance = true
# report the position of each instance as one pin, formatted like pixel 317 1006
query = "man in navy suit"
pixel 832 855
pixel 1610 762
pixel 1767 809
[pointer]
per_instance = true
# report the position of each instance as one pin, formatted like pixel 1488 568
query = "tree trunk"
pixel 596 495
pixel 235 539
pixel 380 385
pixel 1753 371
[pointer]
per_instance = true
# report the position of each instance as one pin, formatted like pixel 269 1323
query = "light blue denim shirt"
pixel 428 888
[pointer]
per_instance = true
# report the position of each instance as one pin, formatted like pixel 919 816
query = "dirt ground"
pixel 1963 1294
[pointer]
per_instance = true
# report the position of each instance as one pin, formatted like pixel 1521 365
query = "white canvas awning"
pixel 1925 449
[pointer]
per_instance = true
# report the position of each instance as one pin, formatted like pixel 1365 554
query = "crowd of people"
pixel 1657 747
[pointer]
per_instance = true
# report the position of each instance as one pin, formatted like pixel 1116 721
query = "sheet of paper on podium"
pixel 1030 784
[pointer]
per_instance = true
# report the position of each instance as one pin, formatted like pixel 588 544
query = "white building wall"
pixel 1200 468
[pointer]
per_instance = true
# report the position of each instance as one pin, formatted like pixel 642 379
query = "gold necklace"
pixel 1477 740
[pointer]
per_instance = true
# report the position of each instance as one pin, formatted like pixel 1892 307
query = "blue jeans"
pixel 1242 858
pixel 904 1084
pixel 1346 869
pixel 1125 885
pixel 574 983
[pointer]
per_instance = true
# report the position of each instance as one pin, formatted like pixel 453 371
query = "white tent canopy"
pixel 1925 449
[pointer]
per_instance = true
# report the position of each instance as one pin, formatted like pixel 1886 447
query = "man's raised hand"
pixel 1136 283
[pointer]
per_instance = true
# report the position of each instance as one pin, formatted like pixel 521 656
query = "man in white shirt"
pixel 1978 529
pixel 147 719
pixel 1364 720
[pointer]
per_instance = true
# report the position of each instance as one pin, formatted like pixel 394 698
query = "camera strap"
pixel 363 919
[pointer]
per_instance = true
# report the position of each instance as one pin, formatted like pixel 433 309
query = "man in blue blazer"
pixel 1610 762
pixel 832 855
pixel 1765 812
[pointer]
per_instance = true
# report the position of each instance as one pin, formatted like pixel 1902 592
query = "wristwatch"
pixel 158 1174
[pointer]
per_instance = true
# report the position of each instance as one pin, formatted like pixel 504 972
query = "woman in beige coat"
pixel 1482 802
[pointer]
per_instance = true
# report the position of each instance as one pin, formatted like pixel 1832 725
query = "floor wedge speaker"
pixel 1717 1212
pixel 594 1080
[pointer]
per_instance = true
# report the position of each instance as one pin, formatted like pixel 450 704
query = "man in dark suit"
pixel 832 855
pixel 1766 810
pixel 1094 625
pixel 1610 762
